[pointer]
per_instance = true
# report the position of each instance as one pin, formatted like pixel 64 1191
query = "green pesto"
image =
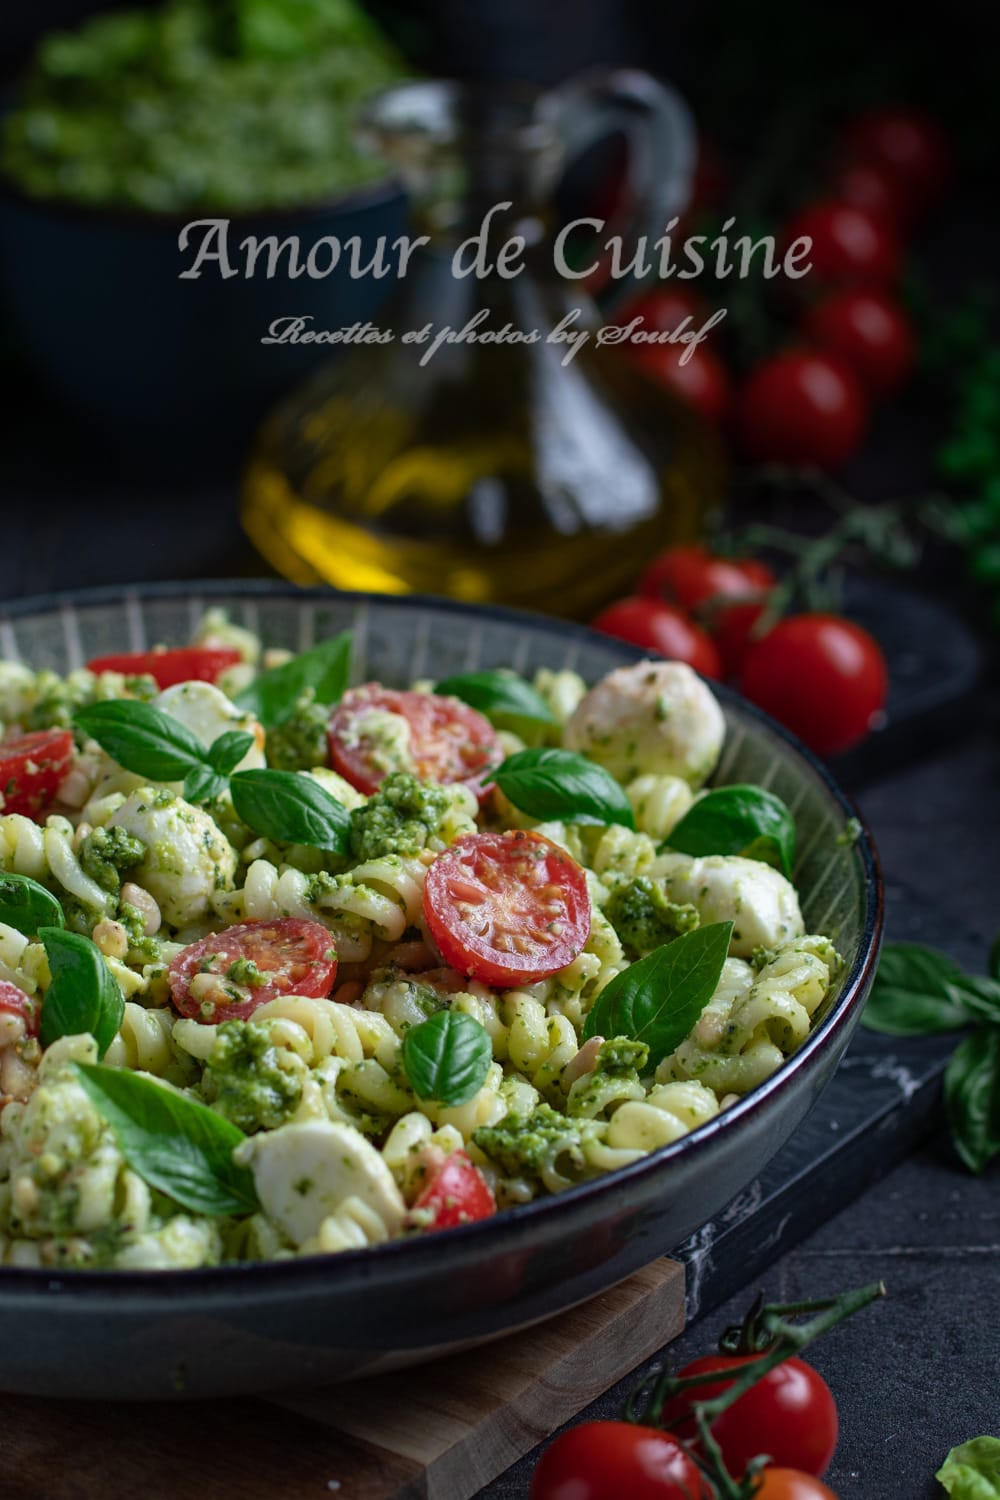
pixel 621 1057
pixel 245 971
pixel 244 1080
pixel 106 853
pixel 196 104
pixel 527 1143
pixel 58 699
pixel 400 818
pixel 299 742
pixel 644 918
pixel 141 948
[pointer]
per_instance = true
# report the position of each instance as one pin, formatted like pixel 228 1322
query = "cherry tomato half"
pixel 15 1002
pixel 458 1193
pixel 791 1484
pixel 660 627
pixel 870 331
pixel 443 739
pixel 909 147
pixel 616 1461
pixel 251 964
pixel 849 246
pixel 789 1414
pixel 31 768
pixel 167 668
pixel 702 381
pixel 822 676
pixel 801 407
pixel 507 908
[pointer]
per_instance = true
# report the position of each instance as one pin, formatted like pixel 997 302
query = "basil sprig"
pixel 919 991
pixel 738 820
pixel 549 783
pixel 144 739
pixel 180 1147
pixel 26 906
pixel 506 700
pixel 659 999
pixel 291 808
pixel 447 1057
pixel 324 670
pixel 84 994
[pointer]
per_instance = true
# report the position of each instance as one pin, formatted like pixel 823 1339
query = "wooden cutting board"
pixel 439 1431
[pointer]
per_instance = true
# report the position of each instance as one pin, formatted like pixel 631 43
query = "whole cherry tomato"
pixel 791 1484
pixel 701 381
pixel 868 186
pixel 665 309
pixel 822 676
pixel 690 576
pixel 31 768
pixel 789 1414
pixel 801 407
pixel 616 1461
pixel 870 331
pixel 661 628
pixel 850 247
pixel 909 147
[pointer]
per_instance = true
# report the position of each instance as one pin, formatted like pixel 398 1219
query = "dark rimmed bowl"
pixel 119 1335
pixel 170 369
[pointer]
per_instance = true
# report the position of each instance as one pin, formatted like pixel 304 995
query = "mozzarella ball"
pixel 207 712
pixel 655 717
pixel 187 858
pixel 304 1173
pixel 762 905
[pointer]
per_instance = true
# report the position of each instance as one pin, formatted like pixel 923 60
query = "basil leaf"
pixel 917 991
pixel 180 1147
pixel 226 752
pixel 447 1057
pixel 143 739
pixel 972 1097
pixel 291 809
pixel 738 820
pixel 84 994
pixel 549 783
pixel 659 999
pixel 325 669
pixel 27 906
pixel 202 784
pixel 972 1470
pixel 506 700
pixel 993 966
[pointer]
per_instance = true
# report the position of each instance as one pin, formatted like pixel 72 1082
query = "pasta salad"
pixel 291 967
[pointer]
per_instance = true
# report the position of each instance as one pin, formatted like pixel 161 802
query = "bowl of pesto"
pixel 380 974
pixel 141 122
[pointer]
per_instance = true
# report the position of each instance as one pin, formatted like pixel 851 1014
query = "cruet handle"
pixel 662 150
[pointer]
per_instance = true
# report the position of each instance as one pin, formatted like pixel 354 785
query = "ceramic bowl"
pixel 115 1334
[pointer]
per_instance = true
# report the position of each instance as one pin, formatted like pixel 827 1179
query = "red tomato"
pixel 31 768
pixel 16 1003
pixel 616 1461
pixel 457 1194
pixel 789 1414
pixel 870 331
pixel 447 740
pixel 849 246
pixel 822 676
pixel 909 147
pixel 866 185
pixel 665 309
pixel 507 908
pixel 801 407
pixel 167 668
pixel 791 1484
pixel 659 627
pixel 692 577
pixel 293 956
pixel 702 381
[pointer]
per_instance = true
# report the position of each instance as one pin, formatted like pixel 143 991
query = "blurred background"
pixel 133 402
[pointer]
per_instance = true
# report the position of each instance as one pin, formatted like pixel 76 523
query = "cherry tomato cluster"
pixel 820 674
pixel 850 341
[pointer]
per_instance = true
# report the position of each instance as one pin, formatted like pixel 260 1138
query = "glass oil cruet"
pixel 492 471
